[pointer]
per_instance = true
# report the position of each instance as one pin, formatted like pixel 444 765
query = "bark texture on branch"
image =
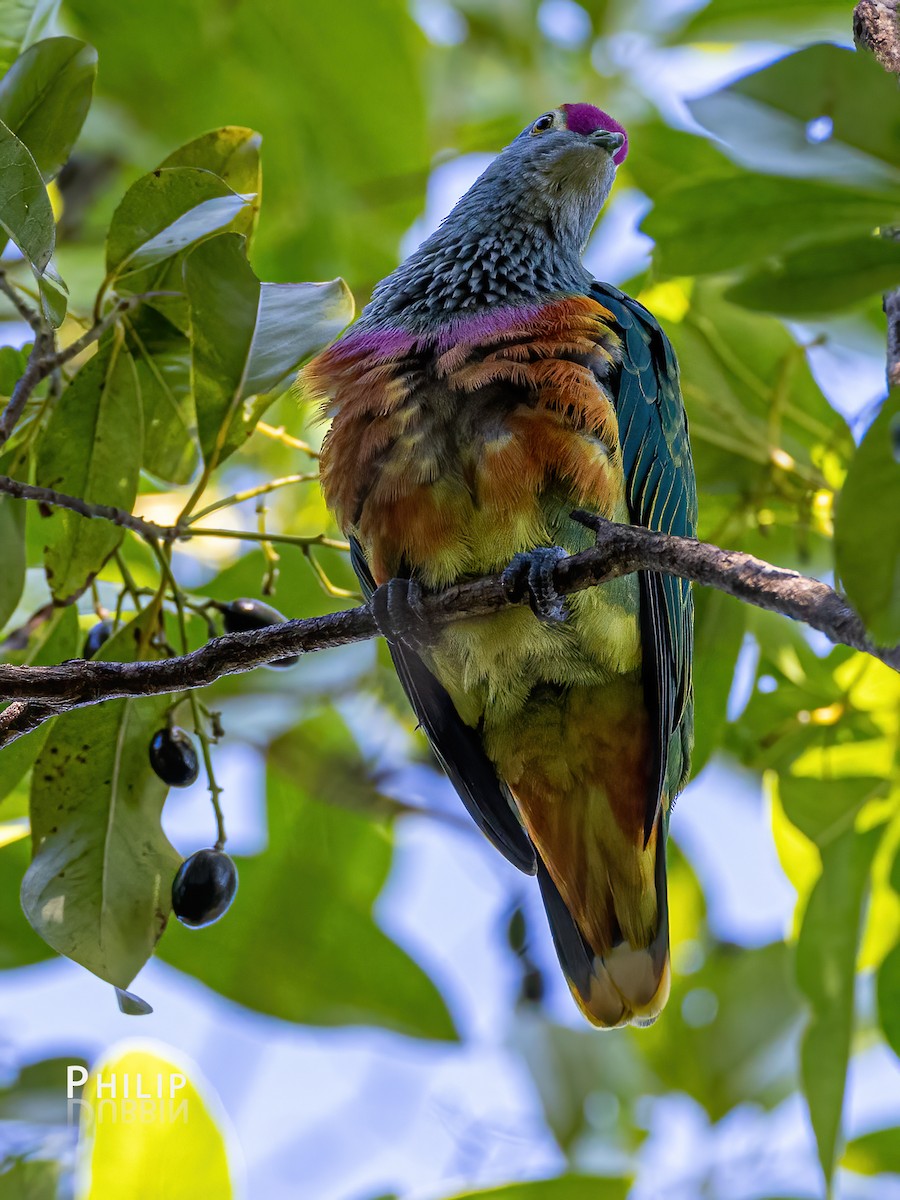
pixel 876 27
pixel 38 693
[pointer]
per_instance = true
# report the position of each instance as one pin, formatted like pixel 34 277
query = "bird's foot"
pixel 397 608
pixel 531 574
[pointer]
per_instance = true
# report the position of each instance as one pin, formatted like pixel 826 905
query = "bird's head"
pixel 561 167
pixel 519 231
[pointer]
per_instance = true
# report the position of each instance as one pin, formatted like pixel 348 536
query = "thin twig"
pixel 105 512
pixel 149 529
pixel 287 439
pixel 250 493
pixel 45 359
pixel 25 310
pixel 621 550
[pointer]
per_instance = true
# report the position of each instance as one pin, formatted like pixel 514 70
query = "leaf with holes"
pixel 98 888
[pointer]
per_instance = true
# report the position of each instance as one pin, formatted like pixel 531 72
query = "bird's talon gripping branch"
pixel 531 574
pixel 397 608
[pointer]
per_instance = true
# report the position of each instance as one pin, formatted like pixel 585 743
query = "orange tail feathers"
pixel 626 984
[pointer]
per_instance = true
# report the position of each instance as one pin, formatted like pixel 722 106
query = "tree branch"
pixel 876 27
pixel 169 533
pixel 45 359
pixel 117 516
pixel 621 549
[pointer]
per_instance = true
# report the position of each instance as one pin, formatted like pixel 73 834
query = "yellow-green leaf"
pixel 173 1146
pixel 867 526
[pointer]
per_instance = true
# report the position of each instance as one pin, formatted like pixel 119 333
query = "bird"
pixel 489 389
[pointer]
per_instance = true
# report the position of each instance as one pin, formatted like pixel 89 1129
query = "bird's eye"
pixel 542 124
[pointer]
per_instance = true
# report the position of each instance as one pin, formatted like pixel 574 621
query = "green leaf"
pixel 12 555
pixel 162 359
pixel 826 958
pixel 175 1148
pixel 567 1187
pixel 821 278
pixel 766 20
pixel 874 1153
pixel 734 1054
pixel 91 448
pixel 20 946
pixel 30 1179
pixel 764 117
pixel 662 156
pixel 342 184
pixel 36 1095
pixel 303 918
pixel 232 153
pixel 248 338
pixel 294 321
pixel 738 370
pixel 54 295
pixel 867 527
pixel 57 641
pixel 45 96
pixel 719 625
pixel 716 225
pixel 825 809
pixel 13 362
pixel 165 212
pixel 25 212
pixel 21 23
pixel 99 884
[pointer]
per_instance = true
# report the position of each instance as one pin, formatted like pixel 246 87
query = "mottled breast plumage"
pixel 447 442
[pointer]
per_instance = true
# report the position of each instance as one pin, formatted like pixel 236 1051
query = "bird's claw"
pixel 398 612
pixel 531 574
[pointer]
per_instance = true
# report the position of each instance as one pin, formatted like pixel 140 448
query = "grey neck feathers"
pixel 500 246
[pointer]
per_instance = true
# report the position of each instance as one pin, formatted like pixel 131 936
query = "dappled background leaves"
pixel 767 247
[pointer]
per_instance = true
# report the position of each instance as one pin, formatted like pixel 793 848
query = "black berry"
pixel 239 616
pixel 173 757
pixel 97 635
pixel 204 888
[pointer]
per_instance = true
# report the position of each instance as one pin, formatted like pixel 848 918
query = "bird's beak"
pixel 608 140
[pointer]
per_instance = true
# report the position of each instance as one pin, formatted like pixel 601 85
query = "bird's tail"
pixel 620 983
